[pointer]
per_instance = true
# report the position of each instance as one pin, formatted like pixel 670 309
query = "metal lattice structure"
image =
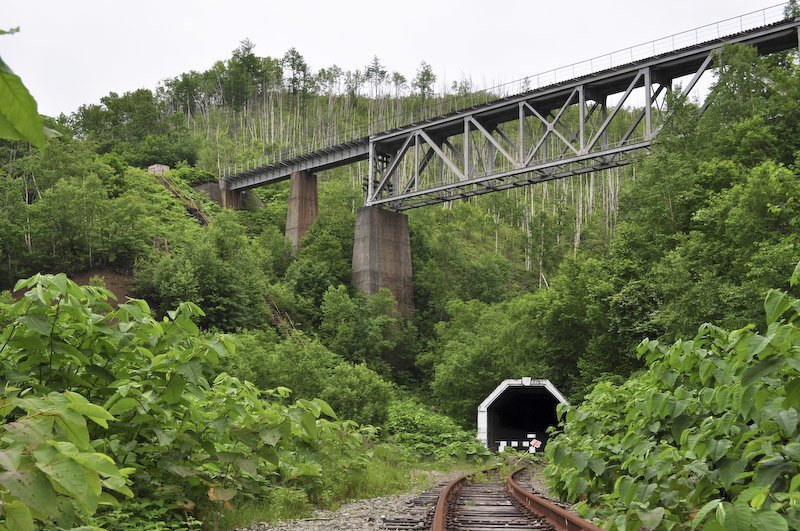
pixel 598 121
pixel 563 130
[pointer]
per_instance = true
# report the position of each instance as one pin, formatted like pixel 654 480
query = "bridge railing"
pixel 670 43
pixel 446 103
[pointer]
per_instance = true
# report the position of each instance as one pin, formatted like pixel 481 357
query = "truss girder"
pixel 557 135
pixel 570 127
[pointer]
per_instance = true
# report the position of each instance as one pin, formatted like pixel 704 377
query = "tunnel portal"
pixel 518 412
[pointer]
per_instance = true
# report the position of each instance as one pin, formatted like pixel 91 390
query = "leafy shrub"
pixel 358 393
pixel 367 330
pixel 708 434
pixel 192 444
pixel 191 175
pixel 309 369
pixel 431 435
pixel 219 269
pixel 50 469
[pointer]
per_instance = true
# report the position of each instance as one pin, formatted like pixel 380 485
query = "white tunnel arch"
pixel 505 386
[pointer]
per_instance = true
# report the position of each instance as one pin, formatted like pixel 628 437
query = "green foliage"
pixel 135 127
pixel 79 213
pixel 367 330
pixel 309 369
pixel 710 427
pixel 19 117
pixel 51 471
pixel 324 258
pixel 195 443
pixel 192 176
pixel 431 435
pixel 358 393
pixel 220 269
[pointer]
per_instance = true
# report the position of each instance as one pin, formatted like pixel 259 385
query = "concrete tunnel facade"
pixel 518 411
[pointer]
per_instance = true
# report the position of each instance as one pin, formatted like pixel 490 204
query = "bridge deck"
pixel 672 65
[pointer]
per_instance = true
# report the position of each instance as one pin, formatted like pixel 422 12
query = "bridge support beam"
pixel 303 207
pixel 382 256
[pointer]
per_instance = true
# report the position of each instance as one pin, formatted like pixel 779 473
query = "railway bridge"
pixel 590 116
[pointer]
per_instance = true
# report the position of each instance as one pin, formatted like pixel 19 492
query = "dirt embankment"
pixel 120 284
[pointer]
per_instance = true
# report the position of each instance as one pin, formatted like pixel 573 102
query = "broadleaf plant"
pixel 706 437
pixel 102 404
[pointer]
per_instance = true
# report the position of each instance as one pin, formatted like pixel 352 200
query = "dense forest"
pixel 559 280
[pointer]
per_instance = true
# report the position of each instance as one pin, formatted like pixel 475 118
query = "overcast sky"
pixel 72 52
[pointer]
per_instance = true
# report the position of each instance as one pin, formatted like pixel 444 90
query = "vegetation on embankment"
pixel 706 435
pixel 116 418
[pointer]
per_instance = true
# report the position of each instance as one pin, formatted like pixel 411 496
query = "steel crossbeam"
pixel 598 121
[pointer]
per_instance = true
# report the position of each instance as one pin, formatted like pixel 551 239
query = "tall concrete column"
pixel 382 256
pixel 230 198
pixel 303 208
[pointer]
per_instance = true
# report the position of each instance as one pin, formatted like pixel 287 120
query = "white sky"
pixel 72 52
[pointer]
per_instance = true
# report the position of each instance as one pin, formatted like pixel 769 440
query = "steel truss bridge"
pixel 588 123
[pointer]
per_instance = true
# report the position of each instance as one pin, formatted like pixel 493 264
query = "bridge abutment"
pixel 382 256
pixel 303 208
pixel 233 199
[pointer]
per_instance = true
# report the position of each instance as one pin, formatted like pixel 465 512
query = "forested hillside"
pixel 559 280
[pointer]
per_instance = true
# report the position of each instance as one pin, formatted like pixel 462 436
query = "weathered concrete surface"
pixel 230 198
pixel 245 200
pixel 382 256
pixel 303 208
pixel 212 189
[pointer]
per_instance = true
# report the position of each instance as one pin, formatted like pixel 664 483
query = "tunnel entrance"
pixel 517 412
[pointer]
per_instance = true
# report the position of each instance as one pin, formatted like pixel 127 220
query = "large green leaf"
pixel 770 520
pixel 776 304
pixel 788 421
pixel 651 519
pixel 704 511
pixel 760 369
pixel 18 516
pixel 580 460
pixel 38 323
pixel 792 394
pixel 625 489
pixel 740 518
pixel 94 412
pixel 70 478
pixel 123 406
pixel 19 117
pixel 309 423
pixel 598 466
pixel 30 486
pixel 174 389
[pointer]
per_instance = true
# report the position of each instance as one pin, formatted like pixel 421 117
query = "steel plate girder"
pixel 317 161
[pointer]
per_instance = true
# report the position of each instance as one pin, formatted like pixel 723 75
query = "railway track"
pixel 488 501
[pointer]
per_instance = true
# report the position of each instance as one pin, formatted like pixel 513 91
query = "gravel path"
pixel 361 515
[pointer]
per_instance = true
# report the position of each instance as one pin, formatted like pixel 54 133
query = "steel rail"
pixel 440 516
pixel 561 519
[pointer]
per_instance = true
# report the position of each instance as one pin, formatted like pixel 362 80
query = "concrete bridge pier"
pixel 382 256
pixel 233 199
pixel 303 208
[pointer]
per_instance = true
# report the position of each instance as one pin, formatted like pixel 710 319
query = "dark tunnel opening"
pixel 517 414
